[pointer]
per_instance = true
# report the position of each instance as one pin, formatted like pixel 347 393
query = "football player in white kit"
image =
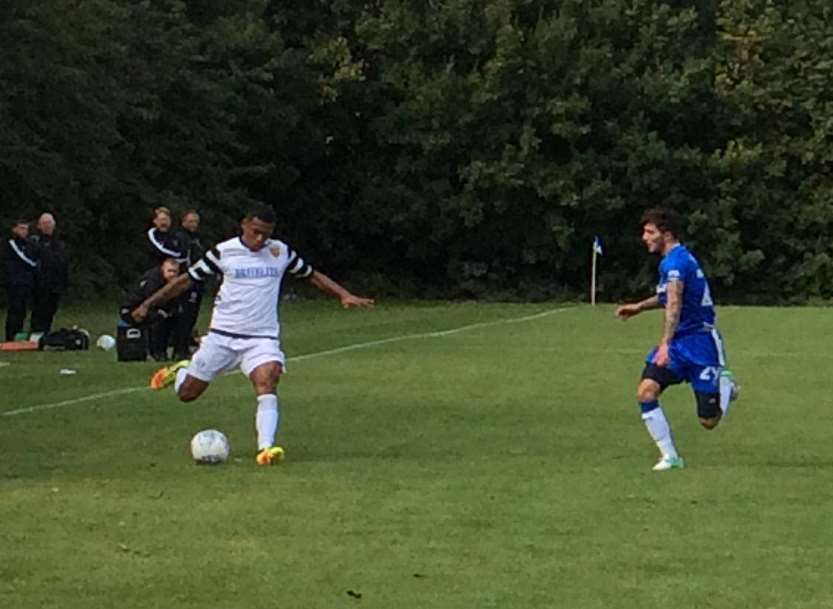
pixel 244 331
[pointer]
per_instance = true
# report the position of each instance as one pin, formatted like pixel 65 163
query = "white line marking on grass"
pixel 299 358
pixel 437 334
pixel 86 398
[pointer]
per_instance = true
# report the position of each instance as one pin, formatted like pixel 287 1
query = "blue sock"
pixel 648 406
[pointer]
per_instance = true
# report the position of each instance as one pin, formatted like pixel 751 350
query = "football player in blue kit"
pixel 690 348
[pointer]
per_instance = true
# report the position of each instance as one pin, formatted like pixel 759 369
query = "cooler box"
pixel 131 344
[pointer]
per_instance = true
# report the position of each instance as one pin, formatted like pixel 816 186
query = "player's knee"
pixel 644 396
pixel 647 392
pixel 187 396
pixel 708 409
pixel 266 386
pixel 275 373
pixel 709 423
pixel 266 377
pixel 189 391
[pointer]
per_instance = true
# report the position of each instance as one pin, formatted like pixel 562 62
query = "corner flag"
pixel 598 250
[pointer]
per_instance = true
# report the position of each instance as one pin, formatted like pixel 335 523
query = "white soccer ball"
pixel 106 342
pixel 210 447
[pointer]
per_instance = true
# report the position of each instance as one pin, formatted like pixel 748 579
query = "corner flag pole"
pixel 597 251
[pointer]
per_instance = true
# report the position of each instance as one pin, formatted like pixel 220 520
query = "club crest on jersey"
pixel 276 250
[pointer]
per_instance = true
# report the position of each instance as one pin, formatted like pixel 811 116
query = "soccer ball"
pixel 105 342
pixel 210 447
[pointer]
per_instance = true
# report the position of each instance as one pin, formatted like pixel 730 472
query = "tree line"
pixel 444 148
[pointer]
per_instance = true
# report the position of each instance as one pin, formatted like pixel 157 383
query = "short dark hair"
pixel 262 212
pixel 161 210
pixel 189 212
pixel 169 260
pixel 664 218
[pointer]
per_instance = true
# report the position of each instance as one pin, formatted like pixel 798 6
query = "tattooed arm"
pixel 672 317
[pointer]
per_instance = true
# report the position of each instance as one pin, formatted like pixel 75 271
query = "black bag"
pixel 65 340
pixel 131 344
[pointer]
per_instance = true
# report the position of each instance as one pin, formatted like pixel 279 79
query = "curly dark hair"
pixel 665 219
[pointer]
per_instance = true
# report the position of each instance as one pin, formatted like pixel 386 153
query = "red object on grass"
pixel 19 345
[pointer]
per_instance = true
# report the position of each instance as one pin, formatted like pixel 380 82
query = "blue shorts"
pixel 697 359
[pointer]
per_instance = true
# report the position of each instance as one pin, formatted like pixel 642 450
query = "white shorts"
pixel 218 353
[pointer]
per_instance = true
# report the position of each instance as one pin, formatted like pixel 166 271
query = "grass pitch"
pixel 438 456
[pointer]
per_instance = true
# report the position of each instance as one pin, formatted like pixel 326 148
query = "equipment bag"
pixel 65 340
pixel 131 344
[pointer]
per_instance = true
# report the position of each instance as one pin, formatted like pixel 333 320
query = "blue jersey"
pixel 697 313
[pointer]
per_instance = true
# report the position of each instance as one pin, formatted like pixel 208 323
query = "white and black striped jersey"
pixel 162 245
pixel 247 303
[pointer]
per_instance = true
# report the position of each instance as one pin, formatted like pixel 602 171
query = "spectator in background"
pixel 52 274
pixel 159 322
pixel 162 243
pixel 20 266
pixel 188 239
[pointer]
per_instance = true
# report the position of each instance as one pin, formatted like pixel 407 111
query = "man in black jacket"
pixel 20 266
pixel 188 239
pixel 159 322
pixel 161 241
pixel 52 275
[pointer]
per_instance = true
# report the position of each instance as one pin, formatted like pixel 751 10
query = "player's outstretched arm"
pixel 328 286
pixel 629 310
pixel 168 292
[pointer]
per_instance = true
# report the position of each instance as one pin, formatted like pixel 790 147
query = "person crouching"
pixel 156 328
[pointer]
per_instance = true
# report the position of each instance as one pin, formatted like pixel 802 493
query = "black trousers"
pixel 44 307
pixel 18 299
pixel 160 334
pixel 186 318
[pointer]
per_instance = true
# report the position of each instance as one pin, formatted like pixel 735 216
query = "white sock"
pixel 726 386
pixel 660 431
pixel 266 420
pixel 180 378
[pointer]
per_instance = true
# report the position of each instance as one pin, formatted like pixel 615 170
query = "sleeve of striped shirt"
pixel 297 266
pixel 206 266
pixel 162 247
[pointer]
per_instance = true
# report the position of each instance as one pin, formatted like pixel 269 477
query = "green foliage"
pixel 455 148
pixel 774 84
pixel 520 133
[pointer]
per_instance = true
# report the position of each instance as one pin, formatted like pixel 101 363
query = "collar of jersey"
pixel 679 244
pixel 243 243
